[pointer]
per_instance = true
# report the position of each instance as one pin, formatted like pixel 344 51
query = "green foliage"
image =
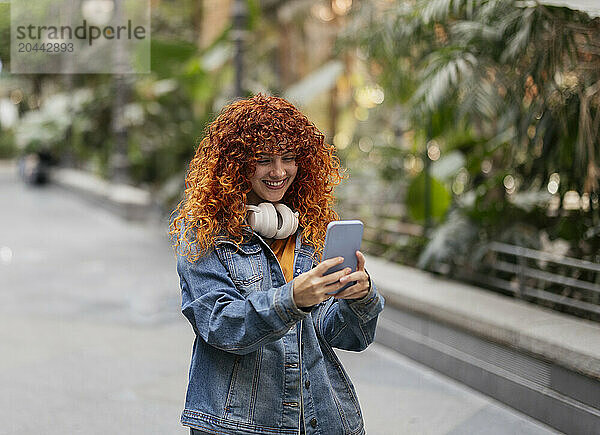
pixel 406 251
pixel 5 33
pixel 514 86
pixel 450 244
pixel 168 56
pixel 439 195
pixel 173 111
pixel 60 114
pixel 164 115
pixel 8 149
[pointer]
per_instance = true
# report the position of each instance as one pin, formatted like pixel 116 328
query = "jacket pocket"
pixel 345 395
pixel 243 388
pixel 244 264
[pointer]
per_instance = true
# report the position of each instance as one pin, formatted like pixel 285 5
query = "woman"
pixel 263 359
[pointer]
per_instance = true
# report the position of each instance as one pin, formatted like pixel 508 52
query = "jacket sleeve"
pixel 224 318
pixel 349 324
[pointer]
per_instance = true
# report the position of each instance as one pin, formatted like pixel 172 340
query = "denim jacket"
pixel 259 363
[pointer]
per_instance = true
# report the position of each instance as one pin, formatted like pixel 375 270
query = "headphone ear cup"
pixel 266 217
pixel 261 218
pixel 254 217
pixel 289 219
pixel 295 220
pixel 269 220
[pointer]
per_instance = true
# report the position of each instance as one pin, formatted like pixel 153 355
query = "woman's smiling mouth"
pixel 275 184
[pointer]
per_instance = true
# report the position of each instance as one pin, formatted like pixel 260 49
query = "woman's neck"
pixel 253 199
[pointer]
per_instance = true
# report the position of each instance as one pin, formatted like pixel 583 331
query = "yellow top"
pixel 284 251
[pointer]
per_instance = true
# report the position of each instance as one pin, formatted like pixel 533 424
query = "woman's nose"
pixel 277 170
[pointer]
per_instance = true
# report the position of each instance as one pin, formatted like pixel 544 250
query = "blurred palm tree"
pixel 513 86
pixel 525 74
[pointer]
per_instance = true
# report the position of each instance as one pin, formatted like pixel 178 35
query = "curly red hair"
pixel 217 180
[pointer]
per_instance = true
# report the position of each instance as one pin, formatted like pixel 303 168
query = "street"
pixel 92 340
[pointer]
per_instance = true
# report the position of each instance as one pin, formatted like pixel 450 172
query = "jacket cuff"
pixel 369 306
pixel 285 306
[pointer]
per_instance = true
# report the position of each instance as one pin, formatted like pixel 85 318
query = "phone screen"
pixel 343 239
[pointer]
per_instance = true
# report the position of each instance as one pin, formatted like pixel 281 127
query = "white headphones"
pixel 274 221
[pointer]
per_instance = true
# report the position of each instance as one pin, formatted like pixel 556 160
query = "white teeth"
pixel 270 183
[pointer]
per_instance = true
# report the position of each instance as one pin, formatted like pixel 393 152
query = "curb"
pixel 556 337
pixel 129 202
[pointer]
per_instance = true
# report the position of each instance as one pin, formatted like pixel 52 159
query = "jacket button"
pixel 313 422
pixel 307 383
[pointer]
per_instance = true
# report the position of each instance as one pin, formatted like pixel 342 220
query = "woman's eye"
pixel 289 159
pixel 263 162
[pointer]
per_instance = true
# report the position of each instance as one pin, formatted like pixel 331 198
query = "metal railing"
pixel 559 282
pixel 541 276
pixel 385 226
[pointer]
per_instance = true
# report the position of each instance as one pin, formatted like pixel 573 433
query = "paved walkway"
pixel 92 340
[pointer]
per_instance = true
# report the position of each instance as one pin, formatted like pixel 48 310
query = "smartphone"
pixel 343 239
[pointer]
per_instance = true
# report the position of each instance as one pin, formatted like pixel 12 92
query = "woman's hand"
pixel 311 288
pixel 362 286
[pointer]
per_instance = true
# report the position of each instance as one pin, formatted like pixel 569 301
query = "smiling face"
pixel 273 176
